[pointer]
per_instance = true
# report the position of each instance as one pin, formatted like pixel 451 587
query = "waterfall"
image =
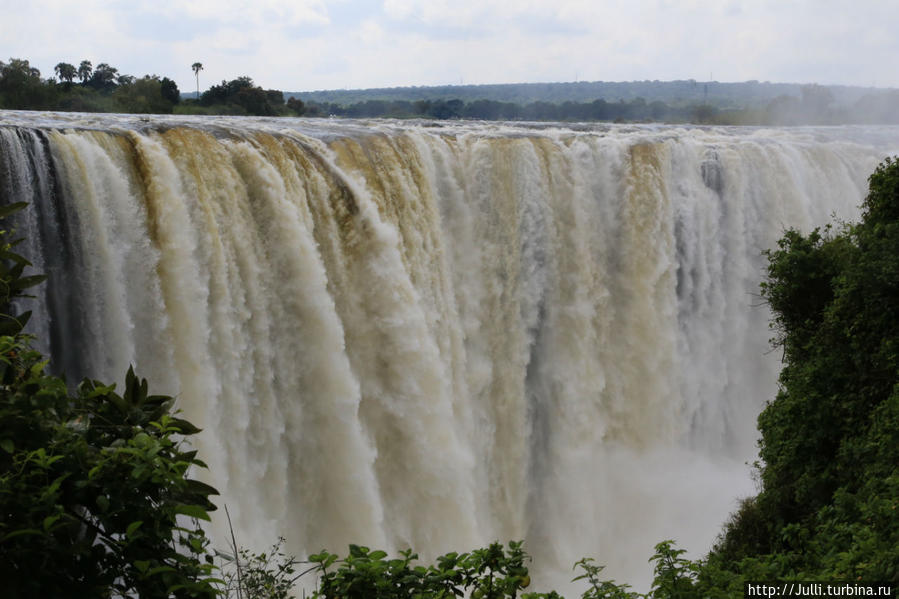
pixel 434 336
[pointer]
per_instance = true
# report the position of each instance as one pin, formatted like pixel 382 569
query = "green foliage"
pixel 13 281
pixel 66 72
pixel 21 86
pixel 489 573
pixel 242 96
pixel 268 575
pixel 102 89
pixel 496 573
pixel 168 89
pixel 95 497
pixel 601 589
pixel 147 95
pixel 636 109
pixel 103 78
pixel 296 106
pixel 744 533
pixel 674 576
pixel 85 70
pixel 94 488
pixel 714 102
pixel 830 439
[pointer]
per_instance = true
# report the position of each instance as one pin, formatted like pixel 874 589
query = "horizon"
pixel 619 81
pixel 318 45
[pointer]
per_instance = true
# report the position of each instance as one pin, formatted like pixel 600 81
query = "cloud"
pixel 313 44
pixel 371 32
pixel 275 13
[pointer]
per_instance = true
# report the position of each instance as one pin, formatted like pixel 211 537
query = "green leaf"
pixel 38 368
pixel 7 445
pixel 22 532
pixel 200 488
pixel 11 208
pixel 50 521
pixel 129 532
pixel 194 511
pixel 184 427
pixel 9 326
pixel 54 486
pixel 26 282
pixel 142 565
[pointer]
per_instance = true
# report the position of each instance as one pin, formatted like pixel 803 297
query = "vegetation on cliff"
pixel 830 439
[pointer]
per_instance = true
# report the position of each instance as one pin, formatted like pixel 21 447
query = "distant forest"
pixel 747 94
pixel 711 102
pixel 85 88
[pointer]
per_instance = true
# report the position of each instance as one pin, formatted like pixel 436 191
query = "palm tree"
pixel 197 67
pixel 85 70
pixel 65 72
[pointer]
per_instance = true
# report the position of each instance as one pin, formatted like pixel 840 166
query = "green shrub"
pixel 95 497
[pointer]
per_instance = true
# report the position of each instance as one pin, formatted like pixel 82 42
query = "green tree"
pixel 147 95
pixel 65 72
pixel 830 439
pixel 296 105
pixel 104 78
pixel 85 70
pixel 242 96
pixel 169 90
pixel 21 86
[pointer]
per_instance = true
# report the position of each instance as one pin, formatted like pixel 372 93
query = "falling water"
pixel 410 335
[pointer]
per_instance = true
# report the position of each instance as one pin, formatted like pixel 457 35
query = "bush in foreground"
pixel 95 497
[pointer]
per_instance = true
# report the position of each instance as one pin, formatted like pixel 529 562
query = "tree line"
pixel 814 106
pixel 242 97
pixel 104 89
pixel 98 89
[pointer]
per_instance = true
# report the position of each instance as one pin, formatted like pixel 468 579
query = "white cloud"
pixel 314 44
pixel 437 12
pixel 270 12
pixel 371 32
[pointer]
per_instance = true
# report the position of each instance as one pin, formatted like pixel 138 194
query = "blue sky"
pixel 298 45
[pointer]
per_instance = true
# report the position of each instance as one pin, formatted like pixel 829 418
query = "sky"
pixel 304 45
